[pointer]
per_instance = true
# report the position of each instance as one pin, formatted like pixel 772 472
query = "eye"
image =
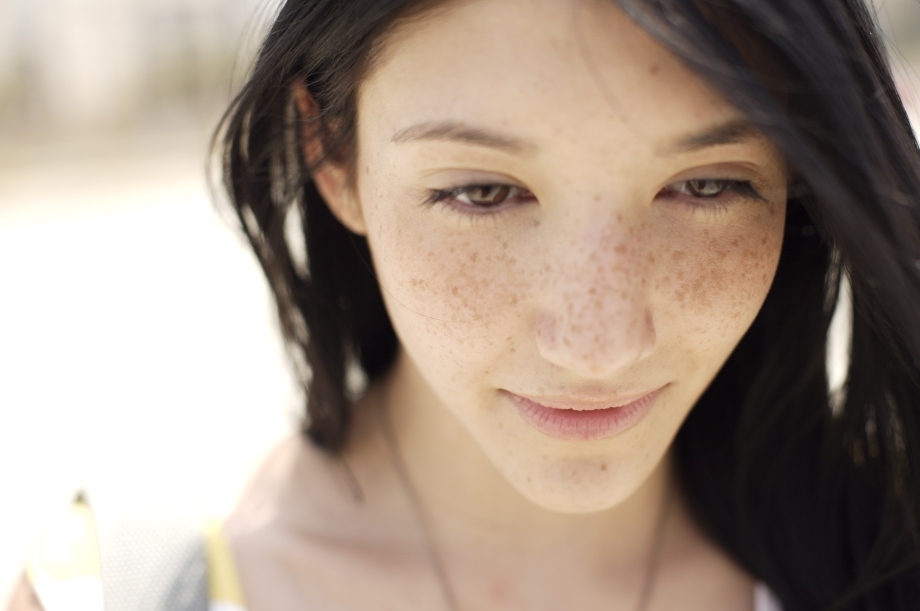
pixel 480 196
pixel 711 191
pixel 486 196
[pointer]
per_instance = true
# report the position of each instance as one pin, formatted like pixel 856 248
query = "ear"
pixel 331 179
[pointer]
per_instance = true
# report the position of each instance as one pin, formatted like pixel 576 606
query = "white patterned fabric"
pixel 153 561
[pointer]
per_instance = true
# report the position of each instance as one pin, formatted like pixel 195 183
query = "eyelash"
pixel 739 188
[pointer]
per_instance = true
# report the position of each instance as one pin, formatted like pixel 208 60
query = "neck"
pixel 473 512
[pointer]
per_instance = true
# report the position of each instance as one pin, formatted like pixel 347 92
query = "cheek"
pixel 711 283
pixel 453 293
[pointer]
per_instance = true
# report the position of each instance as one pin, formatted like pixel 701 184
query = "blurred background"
pixel 138 348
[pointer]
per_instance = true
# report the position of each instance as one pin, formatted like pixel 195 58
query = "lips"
pixel 583 419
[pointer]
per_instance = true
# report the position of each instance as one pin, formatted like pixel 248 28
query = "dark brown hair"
pixel 818 498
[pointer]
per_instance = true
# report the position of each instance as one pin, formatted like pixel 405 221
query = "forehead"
pixel 575 71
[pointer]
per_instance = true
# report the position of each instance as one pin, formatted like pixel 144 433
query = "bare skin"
pixel 314 546
pixel 23 598
pixel 611 250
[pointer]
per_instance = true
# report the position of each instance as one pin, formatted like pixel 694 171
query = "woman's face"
pixel 559 211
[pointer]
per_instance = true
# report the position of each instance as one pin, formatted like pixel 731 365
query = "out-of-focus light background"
pixel 138 348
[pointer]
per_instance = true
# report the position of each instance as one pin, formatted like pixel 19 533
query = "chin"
pixel 588 487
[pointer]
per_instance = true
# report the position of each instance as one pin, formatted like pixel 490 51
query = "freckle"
pixel 619 218
pixel 498 592
pixel 603 466
pixel 453 290
pixel 654 69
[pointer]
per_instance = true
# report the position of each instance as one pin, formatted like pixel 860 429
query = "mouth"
pixel 584 420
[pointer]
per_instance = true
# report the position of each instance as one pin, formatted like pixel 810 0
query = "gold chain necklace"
pixel 450 599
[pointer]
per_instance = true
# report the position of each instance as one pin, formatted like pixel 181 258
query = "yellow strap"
pixel 223 583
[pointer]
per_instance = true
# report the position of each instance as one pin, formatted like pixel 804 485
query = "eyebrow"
pixel 730 132
pixel 460 132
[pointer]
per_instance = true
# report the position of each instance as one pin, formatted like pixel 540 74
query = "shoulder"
pixel 309 521
pixel 296 485
pixel 302 487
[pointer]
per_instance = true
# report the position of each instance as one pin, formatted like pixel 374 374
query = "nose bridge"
pixel 596 319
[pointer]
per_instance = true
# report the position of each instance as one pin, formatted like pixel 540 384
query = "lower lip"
pixel 584 425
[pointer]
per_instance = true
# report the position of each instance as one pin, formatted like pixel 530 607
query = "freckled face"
pixel 602 252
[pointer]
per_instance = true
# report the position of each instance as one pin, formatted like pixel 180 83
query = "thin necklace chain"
pixel 450 598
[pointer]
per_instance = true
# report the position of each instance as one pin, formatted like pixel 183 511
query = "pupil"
pixel 706 188
pixel 490 195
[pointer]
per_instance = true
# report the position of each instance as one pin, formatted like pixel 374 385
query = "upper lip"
pixel 584 402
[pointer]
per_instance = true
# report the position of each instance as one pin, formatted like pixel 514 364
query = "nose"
pixel 595 318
